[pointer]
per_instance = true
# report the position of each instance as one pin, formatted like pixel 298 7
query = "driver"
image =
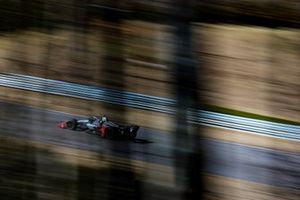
pixel 103 119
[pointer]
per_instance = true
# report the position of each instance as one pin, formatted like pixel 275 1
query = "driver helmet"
pixel 104 118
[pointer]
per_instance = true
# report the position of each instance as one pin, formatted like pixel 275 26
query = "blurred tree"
pixel 188 159
pixel 122 181
pixel 18 167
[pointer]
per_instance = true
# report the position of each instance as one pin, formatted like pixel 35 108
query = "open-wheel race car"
pixel 102 127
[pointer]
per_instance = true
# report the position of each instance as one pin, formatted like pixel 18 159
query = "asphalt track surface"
pixel 261 165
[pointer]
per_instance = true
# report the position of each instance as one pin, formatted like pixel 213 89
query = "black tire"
pixel 133 135
pixel 133 131
pixel 72 124
pixel 109 133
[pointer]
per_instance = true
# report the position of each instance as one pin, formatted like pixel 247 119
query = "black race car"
pixel 102 127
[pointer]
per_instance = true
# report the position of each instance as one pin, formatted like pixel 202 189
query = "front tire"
pixel 133 131
pixel 72 124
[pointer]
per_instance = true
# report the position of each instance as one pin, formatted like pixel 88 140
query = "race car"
pixel 102 127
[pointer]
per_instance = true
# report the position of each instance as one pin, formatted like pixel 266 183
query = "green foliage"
pixel 229 111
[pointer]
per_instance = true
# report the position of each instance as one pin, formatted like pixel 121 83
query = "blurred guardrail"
pixel 148 102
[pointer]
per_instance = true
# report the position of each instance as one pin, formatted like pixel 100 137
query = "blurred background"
pixel 213 84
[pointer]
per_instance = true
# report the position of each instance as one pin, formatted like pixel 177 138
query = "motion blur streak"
pixel 147 102
pixel 205 80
